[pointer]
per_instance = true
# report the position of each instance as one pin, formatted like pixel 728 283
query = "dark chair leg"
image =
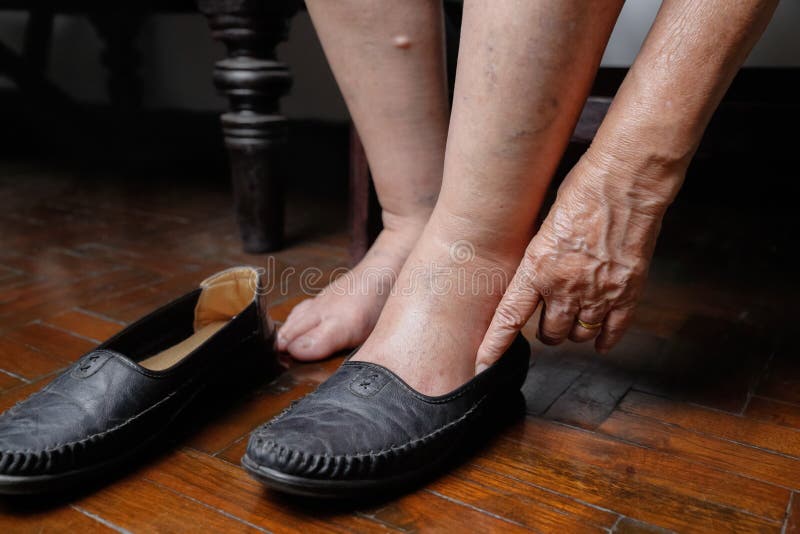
pixel 255 131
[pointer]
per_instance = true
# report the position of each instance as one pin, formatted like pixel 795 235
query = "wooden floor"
pixel 693 424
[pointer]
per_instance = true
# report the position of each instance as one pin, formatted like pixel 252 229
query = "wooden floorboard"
pixel 792 523
pixel 735 428
pixel 85 324
pixel 525 504
pixel 663 504
pixel 64 519
pixel 653 468
pixel 691 425
pixel 722 454
pixel 775 411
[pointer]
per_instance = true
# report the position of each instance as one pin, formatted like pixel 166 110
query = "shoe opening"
pixel 223 296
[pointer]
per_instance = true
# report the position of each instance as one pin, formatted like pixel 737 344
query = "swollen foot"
pixel 345 312
pixel 434 321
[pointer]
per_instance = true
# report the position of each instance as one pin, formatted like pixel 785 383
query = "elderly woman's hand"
pixel 588 262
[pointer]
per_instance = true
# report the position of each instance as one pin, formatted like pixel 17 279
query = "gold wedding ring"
pixel 590 326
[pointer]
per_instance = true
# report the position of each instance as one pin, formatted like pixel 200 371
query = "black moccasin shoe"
pixel 120 397
pixel 364 431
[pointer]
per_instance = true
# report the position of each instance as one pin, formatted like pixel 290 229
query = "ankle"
pixel 468 241
pixel 408 225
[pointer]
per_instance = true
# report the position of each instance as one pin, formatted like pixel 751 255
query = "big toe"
pixel 296 325
pixel 301 308
pixel 325 339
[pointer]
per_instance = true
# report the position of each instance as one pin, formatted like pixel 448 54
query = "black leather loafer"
pixel 121 396
pixel 364 431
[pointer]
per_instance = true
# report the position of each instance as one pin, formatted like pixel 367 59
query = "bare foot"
pixel 345 312
pixel 434 321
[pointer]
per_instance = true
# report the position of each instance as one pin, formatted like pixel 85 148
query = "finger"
pixel 614 327
pixel 590 316
pixel 515 308
pixel 556 322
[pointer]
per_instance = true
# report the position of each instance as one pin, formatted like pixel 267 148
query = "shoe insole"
pixel 169 357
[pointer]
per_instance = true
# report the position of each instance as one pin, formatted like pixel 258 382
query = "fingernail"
pixel 481 367
pixel 547 340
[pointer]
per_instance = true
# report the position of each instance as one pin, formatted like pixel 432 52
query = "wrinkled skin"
pixel 588 261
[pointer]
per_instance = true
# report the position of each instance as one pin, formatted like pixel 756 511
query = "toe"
pixel 300 309
pixel 297 325
pixel 320 342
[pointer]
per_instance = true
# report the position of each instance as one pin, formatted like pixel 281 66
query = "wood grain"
pixel 735 428
pixel 49 340
pixel 622 491
pixel 199 477
pixel 531 506
pixel 135 505
pixel 774 411
pixel 696 481
pixel 430 512
pixel 85 324
pixel 26 362
pixel 7 381
pixel 60 519
pixel 721 454
pixel 792 524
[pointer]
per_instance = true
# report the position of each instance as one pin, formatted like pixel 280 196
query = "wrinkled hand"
pixel 587 262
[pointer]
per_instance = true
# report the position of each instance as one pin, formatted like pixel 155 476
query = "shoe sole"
pixel 57 482
pixel 340 489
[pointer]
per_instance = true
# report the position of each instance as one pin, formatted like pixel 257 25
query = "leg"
pixel 388 59
pixel 524 72
pixel 255 132
pixel 363 209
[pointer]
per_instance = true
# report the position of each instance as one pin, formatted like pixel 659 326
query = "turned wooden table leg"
pixel 255 131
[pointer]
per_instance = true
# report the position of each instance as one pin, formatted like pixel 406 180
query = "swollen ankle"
pixel 504 250
pixel 406 225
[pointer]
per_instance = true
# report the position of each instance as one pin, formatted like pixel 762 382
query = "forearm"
pixel 655 124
